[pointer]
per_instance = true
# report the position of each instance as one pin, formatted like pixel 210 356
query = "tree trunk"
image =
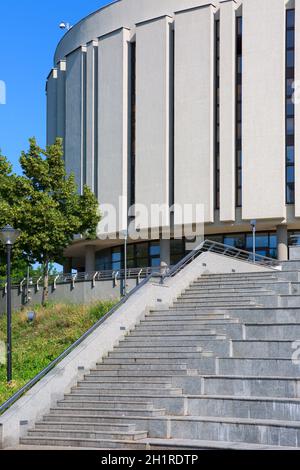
pixel 46 283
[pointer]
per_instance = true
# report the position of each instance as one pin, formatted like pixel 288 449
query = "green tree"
pixel 53 211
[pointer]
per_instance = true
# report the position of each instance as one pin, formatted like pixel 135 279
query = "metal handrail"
pixel 65 353
pixel 225 250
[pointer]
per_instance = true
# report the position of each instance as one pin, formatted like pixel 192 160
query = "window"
pixel 239 70
pixel 266 242
pixel 217 117
pixel 290 108
pixel 133 123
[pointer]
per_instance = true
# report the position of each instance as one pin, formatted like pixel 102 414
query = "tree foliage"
pixel 45 204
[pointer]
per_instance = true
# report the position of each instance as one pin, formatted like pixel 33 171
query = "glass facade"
pixel 290 108
pixel 217 117
pixel 239 71
pixel 266 242
pixel 139 255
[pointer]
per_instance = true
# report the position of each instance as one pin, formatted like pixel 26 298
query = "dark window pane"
pixel 237 241
pixel 142 250
pixel 289 87
pixel 290 39
pixel 290 108
pixel 155 249
pixel 273 241
pixel 290 58
pixel 290 174
pixel 290 154
pixel 290 18
pixel 290 126
pixel 290 198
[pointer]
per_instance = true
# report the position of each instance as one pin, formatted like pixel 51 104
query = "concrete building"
pixel 183 101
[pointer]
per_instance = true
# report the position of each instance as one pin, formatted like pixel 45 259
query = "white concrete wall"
pixel 152 112
pixel 263 109
pixel 37 402
pixel 113 121
pixel 227 110
pixel 194 108
pixel 75 83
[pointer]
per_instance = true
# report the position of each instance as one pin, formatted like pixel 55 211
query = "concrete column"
pixel 165 252
pixel 90 258
pixel 68 266
pixel 282 242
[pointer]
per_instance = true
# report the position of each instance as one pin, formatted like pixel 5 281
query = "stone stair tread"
pixel 249 377
pixel 37 432
pixel 205 444
pixel 104 442
pixel 253 421
pixel 245 398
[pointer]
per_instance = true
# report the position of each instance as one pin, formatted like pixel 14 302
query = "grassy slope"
pixel 36 345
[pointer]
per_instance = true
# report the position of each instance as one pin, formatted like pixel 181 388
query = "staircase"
pixel 214 371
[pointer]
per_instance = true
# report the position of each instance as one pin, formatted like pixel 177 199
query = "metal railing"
pixel 206 246
pixel 225 250
pixel 71 278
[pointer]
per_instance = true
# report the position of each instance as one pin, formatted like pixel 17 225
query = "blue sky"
pixel 29 34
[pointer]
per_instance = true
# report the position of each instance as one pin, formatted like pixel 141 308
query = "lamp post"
pixel 253 225
pixel 8 236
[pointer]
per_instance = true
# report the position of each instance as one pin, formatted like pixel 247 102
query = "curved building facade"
pixel 183 102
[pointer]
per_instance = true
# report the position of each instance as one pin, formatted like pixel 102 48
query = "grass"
pixel 36 344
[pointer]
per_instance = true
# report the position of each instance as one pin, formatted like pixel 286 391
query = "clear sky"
pixel 29 34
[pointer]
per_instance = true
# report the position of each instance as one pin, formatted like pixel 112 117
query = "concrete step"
pixel 81 443
pixel 256 431
pixel 262 348
pixel 278 287
pixel 153 379
pixel 250 275
pixel 158 345
pixel 95 405
pixel 243 385
pixel 108 404
pixel 232 330
pixel 218 302
pixel 144 358
pixel 257 367
pixel 101 367
pixel 143 391
pixel 129 385
pixel 157 361
pixel 174 405
pixel 197 444
pixel 173 334
pixel 124 374
pixel 289 300
pixel 244 407
pixel 266 315
pixel 157 349
pixel 183 321
pixel 190 295
pixel 96 411
pixel 65 422
pixel 149 328
pixel 289 331
pixel 86 434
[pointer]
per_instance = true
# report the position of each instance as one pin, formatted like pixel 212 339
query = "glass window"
pixel 290 124
pixel 290 59
pixel 290 17
pixel 290 155
pixel 237 241
pixel 290 108
pixel 290 174
pixel 290 38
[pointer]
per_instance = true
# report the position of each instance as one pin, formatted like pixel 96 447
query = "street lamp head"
pixel 8 235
